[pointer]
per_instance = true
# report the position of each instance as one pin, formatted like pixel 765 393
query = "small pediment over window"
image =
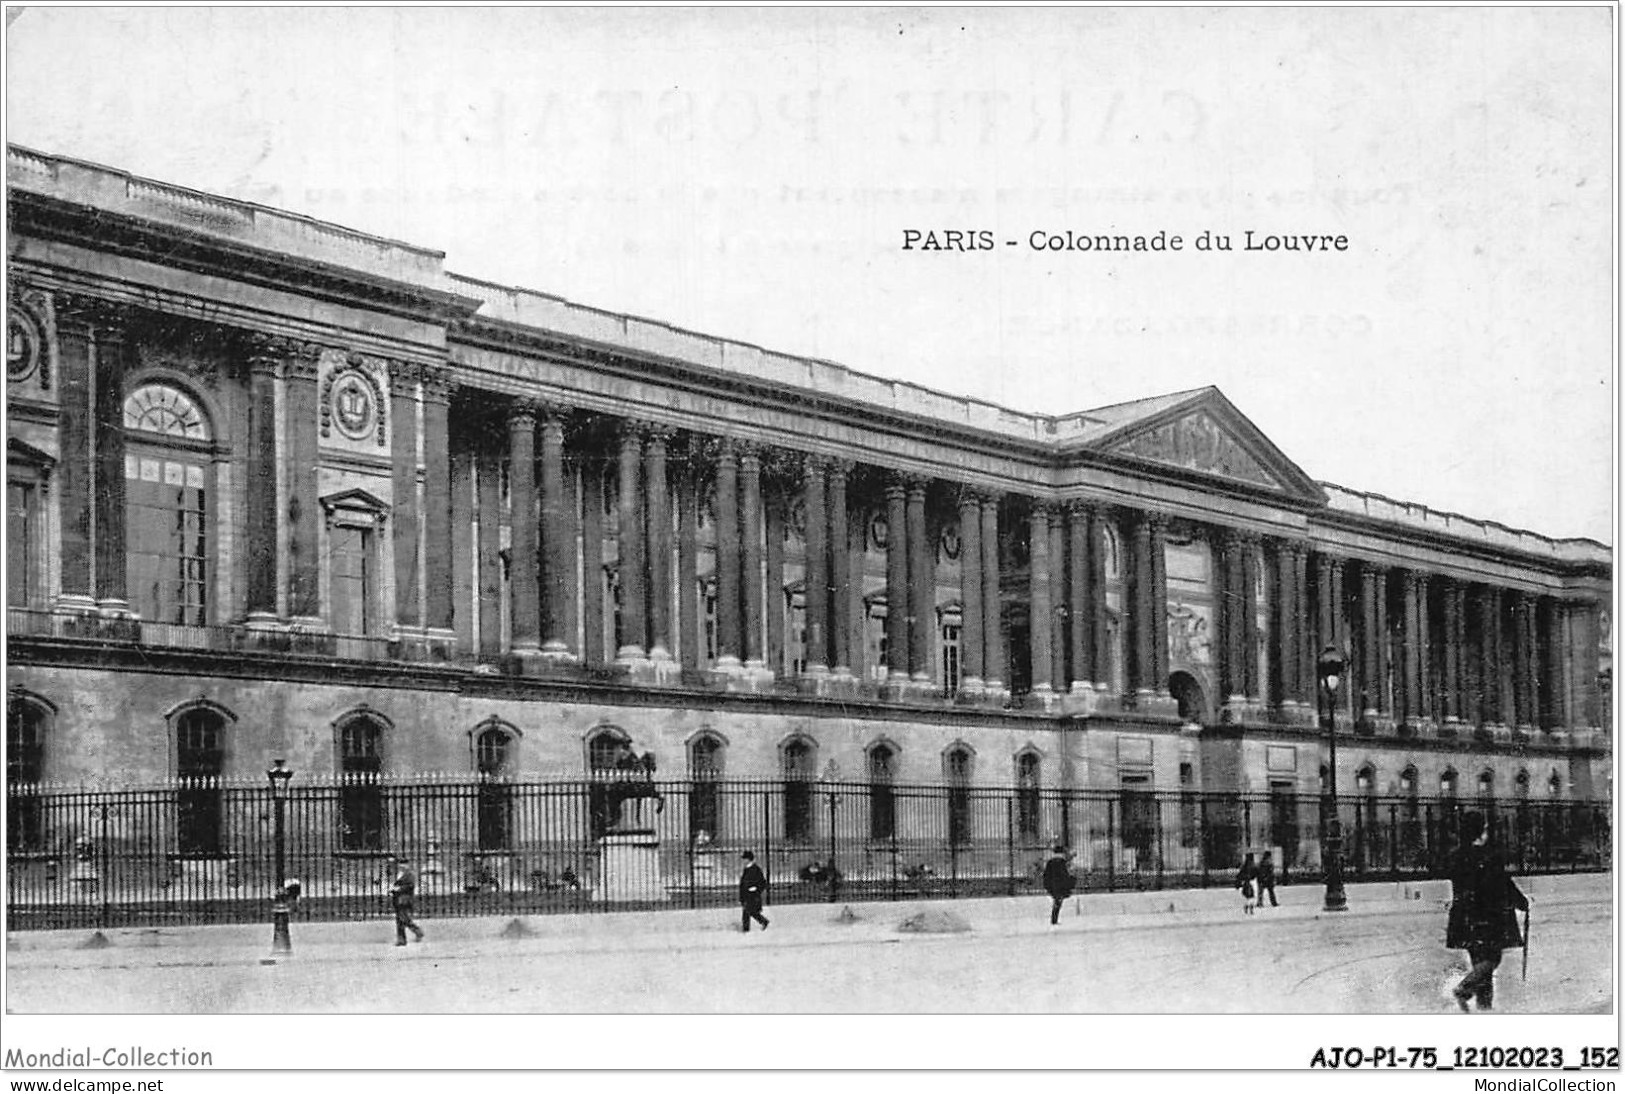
pixel 22 454
pixel 355 508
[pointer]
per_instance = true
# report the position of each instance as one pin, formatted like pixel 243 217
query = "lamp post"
pixel 279 776
pixel 1330 671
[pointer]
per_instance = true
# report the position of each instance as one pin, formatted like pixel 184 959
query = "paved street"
pixel 1171 952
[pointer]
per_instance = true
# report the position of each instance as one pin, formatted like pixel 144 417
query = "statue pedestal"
pixel 629 867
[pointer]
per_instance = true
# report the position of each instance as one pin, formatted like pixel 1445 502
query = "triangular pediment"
pixel 1204 433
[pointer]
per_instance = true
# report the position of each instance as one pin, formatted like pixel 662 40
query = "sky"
pixel 753 174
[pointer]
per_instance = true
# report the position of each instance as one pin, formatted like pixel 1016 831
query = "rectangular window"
pixel 350 575
pixel 1140 822
pixel 167 540
pixel 795 645
pixel 1284 820
pixel 950 656
pixel 22 535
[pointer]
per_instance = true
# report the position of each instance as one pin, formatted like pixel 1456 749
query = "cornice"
pixel 169 245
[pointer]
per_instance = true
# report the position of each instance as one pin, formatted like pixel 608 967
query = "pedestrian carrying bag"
pixel 1247 889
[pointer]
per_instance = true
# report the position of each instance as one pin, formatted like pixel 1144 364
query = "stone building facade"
pixel 280 489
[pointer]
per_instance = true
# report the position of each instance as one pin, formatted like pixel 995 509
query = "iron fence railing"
pixel 202 850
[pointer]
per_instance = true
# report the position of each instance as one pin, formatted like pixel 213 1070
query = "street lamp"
pixel 1330 671
pixel 279 775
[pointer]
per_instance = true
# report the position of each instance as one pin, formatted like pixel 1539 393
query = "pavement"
pixel 1142 952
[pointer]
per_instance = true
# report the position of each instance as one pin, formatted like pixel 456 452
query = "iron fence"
pixel 201 850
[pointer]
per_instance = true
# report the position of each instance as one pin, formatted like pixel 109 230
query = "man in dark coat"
pixel 403 895
pixel 752 888
pixel 1058 882
pixel 1482 918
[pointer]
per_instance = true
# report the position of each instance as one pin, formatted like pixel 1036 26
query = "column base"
pixel 652 673
pixel 78 602
pixel 114 608
pixel 1152 703
pixel 263 621
pixel 1041 697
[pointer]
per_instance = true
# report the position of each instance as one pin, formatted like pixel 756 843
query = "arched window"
pixel 604 749
pixel 1554 785
pixel 1486 785
pixel 493 748
pixel 361 806
pixel 1365 780
pixel 704 793
pixel 798 760
pixel 950 628
pixel 1029 791
pixel 200 756
pixel 882 797
pixel 957 766
pixel 1520 784
pixel 168 492
pixel 1447 783
pixel 26 722
pixel 1407 781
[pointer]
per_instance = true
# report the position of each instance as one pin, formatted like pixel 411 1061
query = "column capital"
pixel 750 457
pixel 85 310
pixel 549 411
pixel 402 374
pixel 522 414
pixel 1083 506
pixel 839 467
pixel 813 465
pixel 969 496
pixel 437 384
pixel 659 433
pixel 1295 548
pixel 1042 510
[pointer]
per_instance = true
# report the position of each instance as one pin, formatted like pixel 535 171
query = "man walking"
pixel 1058 882
pixel 1482 920
pixel 752 888
pixel 403 895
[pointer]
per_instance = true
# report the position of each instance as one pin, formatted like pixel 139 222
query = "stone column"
pixel 1373 585
pixel 897 589
pixel 1232 612
pixel 659 540
pixel 592 559
pixel 750 536
pixel 1486 603
pixel 1409 678
pixel 1080 597
pixel 111 595
pixel 75 326
pixel 922 586
pixel 558 538
pixel 403 517
pixel 489 489
pixel 970 590
pixel 775 516
pixel 524 613
pixel 840 570
pixel 1060 632
pixel 1555 707
pixel 1142 663
pixel 1451 706
pixel 464 589
pixel 1249 619
pixel 1284 653
pixel 1523 660
pixel 1587 642
pixel 1424 649
pixel 1095 601
pixel 727 557
pixel 993 676
pixel 691 636
pixel 1303 691
pixel 629 533
pixel 304 564
pixel 437 557
pixel 1038 608
pixel 816 584
pixel 1506 713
